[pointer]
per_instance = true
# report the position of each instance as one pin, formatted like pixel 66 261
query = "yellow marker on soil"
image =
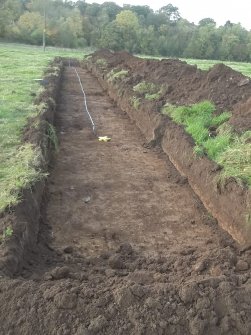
pixel 104 139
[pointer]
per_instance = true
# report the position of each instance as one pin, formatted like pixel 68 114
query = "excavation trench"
pixel 125 246
pixel 103 194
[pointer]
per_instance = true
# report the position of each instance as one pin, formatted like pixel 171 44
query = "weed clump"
pixel 135 101
pixel 7 232
pixel 150 91
pixel 102 63
pixel 153 97
pixel 117 74
pixel 52 136
pixel 145 88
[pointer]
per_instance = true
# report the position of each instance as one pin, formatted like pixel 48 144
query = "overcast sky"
pixel 195 10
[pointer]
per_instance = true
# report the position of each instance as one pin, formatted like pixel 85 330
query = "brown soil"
pixel 125 246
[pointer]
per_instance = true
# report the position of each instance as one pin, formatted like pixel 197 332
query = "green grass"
pixel 20 66
pixel 244 68
pixel 229 150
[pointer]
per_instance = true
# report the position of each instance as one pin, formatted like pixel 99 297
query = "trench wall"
pixel 25 217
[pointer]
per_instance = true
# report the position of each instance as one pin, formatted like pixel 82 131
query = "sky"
pixel 195 10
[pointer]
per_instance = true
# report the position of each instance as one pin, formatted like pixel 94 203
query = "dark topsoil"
pixel 186 84
pixel 122 243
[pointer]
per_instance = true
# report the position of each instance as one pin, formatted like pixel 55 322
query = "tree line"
pixel 137 29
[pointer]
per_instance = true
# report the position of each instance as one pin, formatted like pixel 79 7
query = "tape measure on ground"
pixel 104 139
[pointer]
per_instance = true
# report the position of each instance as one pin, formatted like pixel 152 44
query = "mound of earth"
pixel 225 87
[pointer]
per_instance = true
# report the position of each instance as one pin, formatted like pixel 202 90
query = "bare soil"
pixel 125 246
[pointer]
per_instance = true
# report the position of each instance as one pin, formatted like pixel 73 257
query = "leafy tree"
pixel 128 24
pixel 207 22
pixel 29 28
pixel 127 19
pixel 112 37
pixel 170 12
pixel 133 28
pixel 10 11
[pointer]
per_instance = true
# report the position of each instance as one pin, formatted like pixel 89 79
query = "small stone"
pixel 243 82
pixel 153 303
pixel 47 277
pixel 187 293
pixel 163 324
pixel 68 249
pixel 82 331
pixel 65 300
pixel 242 265
pixel 125 248
pixel 105 255
pixel 87 199
pixel 138 290
pixel 97 324
pixel 200 266
pixel 116 262
pixel 124 297
pixel 187 251
pixel 216 271
pixel 110 273
pixel 141 277
pixel 60 272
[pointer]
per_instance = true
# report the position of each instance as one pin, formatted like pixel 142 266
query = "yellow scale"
pixel 104 139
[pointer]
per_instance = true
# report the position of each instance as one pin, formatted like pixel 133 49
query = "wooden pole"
pixel 44 31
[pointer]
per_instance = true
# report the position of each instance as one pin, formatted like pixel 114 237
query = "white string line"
pixel 85 102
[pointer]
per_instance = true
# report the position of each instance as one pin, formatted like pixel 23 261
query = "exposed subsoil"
pixel 125 246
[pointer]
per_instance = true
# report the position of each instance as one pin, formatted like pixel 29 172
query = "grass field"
pixel 244 68
pixel 20 66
